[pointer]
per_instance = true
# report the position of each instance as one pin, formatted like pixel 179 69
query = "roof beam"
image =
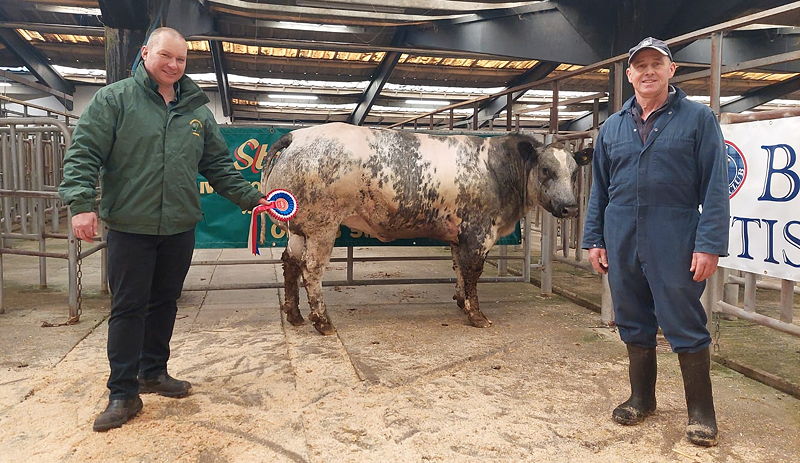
pixel 761 95
pixel 489 109
pixel 37 64
pixel 741 46
pixel 540 34
pixel 586 121
pixel 218 56
pixel 374 88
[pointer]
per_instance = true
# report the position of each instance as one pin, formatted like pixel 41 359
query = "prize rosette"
pixel 281 205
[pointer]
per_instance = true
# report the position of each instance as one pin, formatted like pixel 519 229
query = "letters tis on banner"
pixel 764 189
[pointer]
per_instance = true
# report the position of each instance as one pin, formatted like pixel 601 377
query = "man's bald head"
pixel 162 32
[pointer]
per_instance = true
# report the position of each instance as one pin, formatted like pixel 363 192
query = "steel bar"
pixel 377 282
pixel 750 285
pixel 759 284
pixel 763 320
pixel 716 75
pixel 344 259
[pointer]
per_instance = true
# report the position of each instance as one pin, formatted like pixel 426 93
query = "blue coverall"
pixel 643 209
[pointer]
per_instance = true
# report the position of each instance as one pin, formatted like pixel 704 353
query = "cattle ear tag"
pixel 584 156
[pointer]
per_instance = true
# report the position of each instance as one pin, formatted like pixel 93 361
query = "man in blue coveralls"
pixel 657 224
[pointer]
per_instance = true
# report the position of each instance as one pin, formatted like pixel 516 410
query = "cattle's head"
pixel 552 172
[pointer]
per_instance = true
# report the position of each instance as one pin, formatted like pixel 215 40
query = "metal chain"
pixel 79 276
pixel 716 316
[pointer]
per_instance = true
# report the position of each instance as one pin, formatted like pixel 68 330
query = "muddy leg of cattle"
pixel 317 254
pixel 292 269
pixel 468 261
pixel 459 295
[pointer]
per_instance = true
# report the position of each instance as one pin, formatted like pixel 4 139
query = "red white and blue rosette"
pixel 281 205
pixel 285 205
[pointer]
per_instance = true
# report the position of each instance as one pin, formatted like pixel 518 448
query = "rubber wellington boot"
pixel 642 373
pixel 695 368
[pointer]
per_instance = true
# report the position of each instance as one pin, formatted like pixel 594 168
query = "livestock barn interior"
pixel 405 377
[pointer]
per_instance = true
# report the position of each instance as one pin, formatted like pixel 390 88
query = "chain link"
pixel 716 316
pixel 79 276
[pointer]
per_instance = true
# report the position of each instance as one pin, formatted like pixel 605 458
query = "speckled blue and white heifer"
pixel 464 190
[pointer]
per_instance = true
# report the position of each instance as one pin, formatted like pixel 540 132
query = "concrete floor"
pixel 404 379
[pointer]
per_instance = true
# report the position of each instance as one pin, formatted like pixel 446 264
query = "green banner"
pixel 224 225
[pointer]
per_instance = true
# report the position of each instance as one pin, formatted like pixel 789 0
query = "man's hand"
pixel 598 257
pixel 84 226
pixel 703 265
pixel 263 201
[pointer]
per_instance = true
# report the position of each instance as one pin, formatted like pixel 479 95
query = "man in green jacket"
pixel 147 137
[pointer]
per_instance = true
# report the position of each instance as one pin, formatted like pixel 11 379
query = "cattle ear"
pixel 584 156
pixel 527 150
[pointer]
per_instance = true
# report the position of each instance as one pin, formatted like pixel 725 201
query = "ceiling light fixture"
pixel 292 97
pixel 429 102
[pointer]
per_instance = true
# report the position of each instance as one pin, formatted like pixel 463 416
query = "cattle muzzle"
pixel 565 211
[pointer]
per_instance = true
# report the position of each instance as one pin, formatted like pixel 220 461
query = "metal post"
pixel 2 283
pixel 509 107
pixel 787 299
pixel 731 292
pixel 606 304
pixel 548 230
pixel 617 97
pixel 716 71
pixel 450 119
pixel 554 109
pixel 502 264
pixel 526 237
pixel 350 265
pixel 475 110
pixel 40 224
pixel 750 292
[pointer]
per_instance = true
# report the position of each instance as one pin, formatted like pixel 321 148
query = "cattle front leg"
pixel 459 295
pixel 469 266
pixel 292 269
pixel 316 257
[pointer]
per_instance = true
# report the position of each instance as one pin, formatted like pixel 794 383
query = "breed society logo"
pixel 737 168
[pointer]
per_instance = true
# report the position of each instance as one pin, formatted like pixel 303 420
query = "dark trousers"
pixel 145 275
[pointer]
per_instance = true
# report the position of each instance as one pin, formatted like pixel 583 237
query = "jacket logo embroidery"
pixel 196 126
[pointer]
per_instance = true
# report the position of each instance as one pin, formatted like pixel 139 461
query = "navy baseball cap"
pixel 650 42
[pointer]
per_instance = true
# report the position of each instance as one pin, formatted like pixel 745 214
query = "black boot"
pixel 165 385
pixel 117 413
pixel 695 368
pixel 642 373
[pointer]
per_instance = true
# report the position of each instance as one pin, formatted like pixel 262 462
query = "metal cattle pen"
pixel 31 156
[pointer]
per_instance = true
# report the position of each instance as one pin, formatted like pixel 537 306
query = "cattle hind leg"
pixel 316 257
pixel 468 263
pixel 292 270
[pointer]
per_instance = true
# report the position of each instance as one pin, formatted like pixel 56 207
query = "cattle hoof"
pixel 293 316
pixel 295 320
pixel 322 324
pixel 324 328
pixel 479 320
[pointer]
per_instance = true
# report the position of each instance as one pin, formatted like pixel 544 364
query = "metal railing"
pixel 31 163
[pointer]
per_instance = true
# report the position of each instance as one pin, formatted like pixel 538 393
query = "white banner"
pixel 764 187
